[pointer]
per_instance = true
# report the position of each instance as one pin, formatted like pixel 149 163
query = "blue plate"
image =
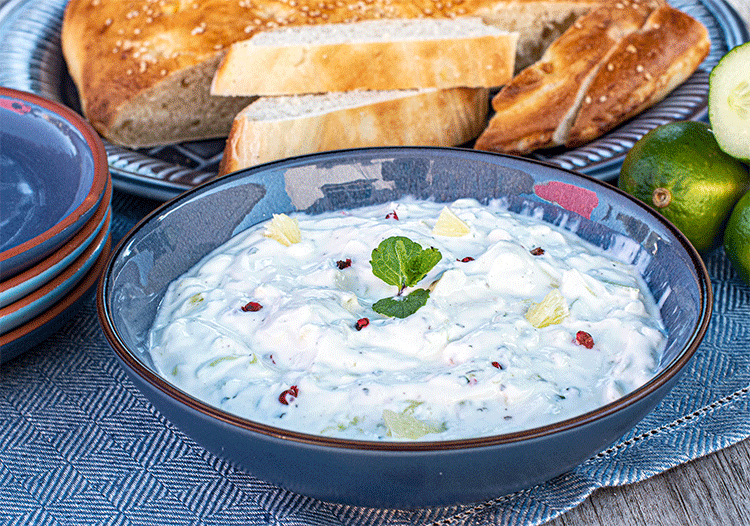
pixel 30 306
pixel 34 277
pixel 33 332
pixel 53 172
pixel 178 234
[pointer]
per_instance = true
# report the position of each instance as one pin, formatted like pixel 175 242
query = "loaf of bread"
pixel 276 127
pixel 385 54
pixel 612 63
pixel 143 68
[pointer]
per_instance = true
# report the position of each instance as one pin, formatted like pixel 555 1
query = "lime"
pixel 737 238
pixel 729 102
pixel 679 170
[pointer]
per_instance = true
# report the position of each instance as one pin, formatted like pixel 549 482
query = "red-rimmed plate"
pixel 54 176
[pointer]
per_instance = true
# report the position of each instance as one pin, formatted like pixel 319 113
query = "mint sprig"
pixel 401 262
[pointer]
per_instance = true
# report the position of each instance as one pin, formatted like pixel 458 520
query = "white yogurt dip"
pixel 270 332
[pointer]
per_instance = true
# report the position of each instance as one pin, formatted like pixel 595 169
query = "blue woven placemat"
pixel 80 445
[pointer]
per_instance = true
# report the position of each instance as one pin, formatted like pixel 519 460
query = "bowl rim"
pixel 146 374
pixel 100 165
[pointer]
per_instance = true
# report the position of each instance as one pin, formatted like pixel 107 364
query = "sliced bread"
pixel 143 68
pixel 276 127
pixel 369 55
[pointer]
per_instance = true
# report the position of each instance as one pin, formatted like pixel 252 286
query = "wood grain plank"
pixel 713 490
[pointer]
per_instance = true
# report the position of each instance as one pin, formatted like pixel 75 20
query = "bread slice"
pixel 276 127
pixel 143 68
pixel 644 68
pixel 385 54
pixel 537 108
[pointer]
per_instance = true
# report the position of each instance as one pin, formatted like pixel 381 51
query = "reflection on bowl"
pixel 398 474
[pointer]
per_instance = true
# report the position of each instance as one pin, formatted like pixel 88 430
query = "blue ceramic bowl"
pixel 396 474
pixel 54 173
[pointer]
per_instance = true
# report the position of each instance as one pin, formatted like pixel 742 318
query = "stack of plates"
pixel 55 208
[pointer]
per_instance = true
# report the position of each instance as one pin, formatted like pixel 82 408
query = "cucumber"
pixel 729 102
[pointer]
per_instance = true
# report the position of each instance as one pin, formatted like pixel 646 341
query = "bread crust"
pixel 536 109
pixel 128 58
pixel 645 67
pixel 442 117
pixel 478 61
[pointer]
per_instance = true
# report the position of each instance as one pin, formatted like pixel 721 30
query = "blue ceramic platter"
pixel 30 59
pixel 397 474
pixel 53 174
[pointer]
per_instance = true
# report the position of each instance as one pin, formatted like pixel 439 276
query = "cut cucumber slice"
pixel 729 102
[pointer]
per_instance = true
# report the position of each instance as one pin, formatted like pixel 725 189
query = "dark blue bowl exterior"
pixel 399 474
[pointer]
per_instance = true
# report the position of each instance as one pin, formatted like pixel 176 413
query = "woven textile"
pixel 79 444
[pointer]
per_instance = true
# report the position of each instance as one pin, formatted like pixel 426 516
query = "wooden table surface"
pixel 712 490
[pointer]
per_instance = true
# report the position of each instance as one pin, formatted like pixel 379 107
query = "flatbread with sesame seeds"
pixel 611 64
pixel 143 68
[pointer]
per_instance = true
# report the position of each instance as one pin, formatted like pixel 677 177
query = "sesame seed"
pixel 631 49
pixel 639 68
pixel 610 67
pixel 588 99
pixel 603 98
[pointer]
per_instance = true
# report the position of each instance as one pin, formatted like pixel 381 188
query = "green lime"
pixel 737 238
pixel 679 170
pixel 729 102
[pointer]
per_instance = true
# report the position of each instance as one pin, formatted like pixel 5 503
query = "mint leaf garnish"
pixel 402 306
pixel 401 262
